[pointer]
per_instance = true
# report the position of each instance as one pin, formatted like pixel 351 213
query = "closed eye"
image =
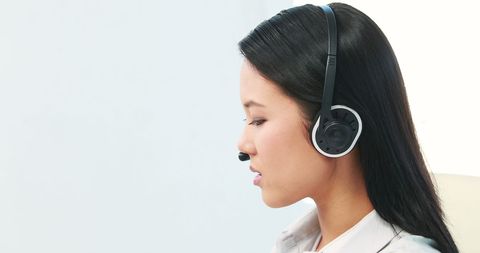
pixel 257 122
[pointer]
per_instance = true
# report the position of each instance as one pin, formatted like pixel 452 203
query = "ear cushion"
pixel 337 136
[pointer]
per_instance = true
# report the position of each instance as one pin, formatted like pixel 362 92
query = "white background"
pixel 119 119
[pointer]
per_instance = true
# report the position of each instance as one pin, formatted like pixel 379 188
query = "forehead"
pixel 253 86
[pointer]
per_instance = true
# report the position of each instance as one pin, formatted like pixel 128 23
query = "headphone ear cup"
pixel 337 136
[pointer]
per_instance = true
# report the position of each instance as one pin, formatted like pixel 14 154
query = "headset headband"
pixel 330 71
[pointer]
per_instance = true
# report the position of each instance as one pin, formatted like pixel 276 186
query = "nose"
pixel 246 147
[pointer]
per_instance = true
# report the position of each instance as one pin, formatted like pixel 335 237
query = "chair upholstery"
pixel 460 198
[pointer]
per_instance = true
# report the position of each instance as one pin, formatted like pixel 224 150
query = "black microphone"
pixel 243 157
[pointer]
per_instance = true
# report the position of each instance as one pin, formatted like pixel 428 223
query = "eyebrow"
pixel 252 103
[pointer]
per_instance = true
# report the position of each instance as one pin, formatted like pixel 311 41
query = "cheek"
pixel 275 141
pixel 293 167
pixel 283 150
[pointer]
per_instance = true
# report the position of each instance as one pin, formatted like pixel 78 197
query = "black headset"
pixel 336 128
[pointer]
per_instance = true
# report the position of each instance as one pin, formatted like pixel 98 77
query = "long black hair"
pixel 290 49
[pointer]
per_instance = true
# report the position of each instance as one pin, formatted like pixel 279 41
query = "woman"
pixel 369 182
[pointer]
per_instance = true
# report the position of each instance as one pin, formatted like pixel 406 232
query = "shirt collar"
pixel 370 234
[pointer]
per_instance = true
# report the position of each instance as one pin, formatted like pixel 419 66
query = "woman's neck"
pixel 345 202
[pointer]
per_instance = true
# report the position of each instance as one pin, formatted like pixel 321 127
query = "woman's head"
pixel 278 143
pixel 289 52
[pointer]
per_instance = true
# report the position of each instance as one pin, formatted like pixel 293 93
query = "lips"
pixel 258 178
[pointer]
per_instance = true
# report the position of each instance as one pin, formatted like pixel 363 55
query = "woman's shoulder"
pixel 406 242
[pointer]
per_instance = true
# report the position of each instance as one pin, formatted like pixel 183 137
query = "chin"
pixel 277 201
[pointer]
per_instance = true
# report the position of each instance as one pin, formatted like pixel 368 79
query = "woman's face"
pixel 278 144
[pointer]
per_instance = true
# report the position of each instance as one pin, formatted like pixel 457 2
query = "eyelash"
pixel 255 122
